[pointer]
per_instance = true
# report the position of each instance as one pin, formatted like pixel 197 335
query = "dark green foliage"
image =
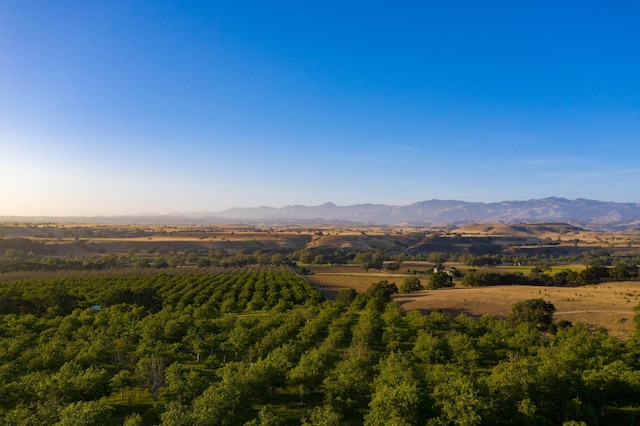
pixel 260 346
pixel 410 285
pixel 347 385
pixel 440 280
pixel 475 279
pixel 380 293
pixel 398 396
pixel 147 297
pixel 322 416
pixel 90 413
pixel 484 261
pixel 620 272
pixel 536 312
pixel 431 349
pixel 393 266
pixel 376 296
pixel 589 275
pixel 346 296
pixel 53 299
pixel 368 260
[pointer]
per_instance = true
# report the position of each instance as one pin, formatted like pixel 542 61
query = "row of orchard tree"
pixel 261 347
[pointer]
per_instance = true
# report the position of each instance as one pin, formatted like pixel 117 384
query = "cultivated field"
pixel 606 305
pixel 84 239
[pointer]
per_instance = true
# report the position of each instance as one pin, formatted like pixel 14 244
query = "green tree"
pixel 348 384
pixel 398 397
pixel 310 371
pixel 533 311
pixel 239 339
pixel 368 260
pixel 89 413
pixel 322 416
pixel 440 280
pixel 219 404
pixel 612 384
pixel 457 397
pixel 183 384
pixel 410 285
pixel 513 384
pixel 620 272
pixel 346 295
pixel 431 349
pixel 464 351
pixel 266 417
pixel 379 294
pixel 134 419
pixel 277 259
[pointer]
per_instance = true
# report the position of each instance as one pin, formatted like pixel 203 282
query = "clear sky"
pixel 118 107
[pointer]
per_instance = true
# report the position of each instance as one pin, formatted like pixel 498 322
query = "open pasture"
pixel 82 239
pixel 608 304
pixel 559 234
pixel 79 239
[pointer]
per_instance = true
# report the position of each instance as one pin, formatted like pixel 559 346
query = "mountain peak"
pixel 585 213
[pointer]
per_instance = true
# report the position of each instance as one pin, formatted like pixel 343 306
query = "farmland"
pixel 146 325
pixel 86 239
pixel 607 304
pixel 247 345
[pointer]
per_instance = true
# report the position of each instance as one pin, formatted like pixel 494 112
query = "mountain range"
pixel 590 214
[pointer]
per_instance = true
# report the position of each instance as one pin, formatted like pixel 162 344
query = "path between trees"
pixel 324 292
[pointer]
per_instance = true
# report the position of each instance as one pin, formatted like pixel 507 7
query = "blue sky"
pixel 120 107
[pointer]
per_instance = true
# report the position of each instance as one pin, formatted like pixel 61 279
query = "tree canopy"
pixel 536 312
pixel 260 346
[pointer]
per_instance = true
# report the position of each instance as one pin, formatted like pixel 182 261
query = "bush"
pixel 440 280
pixel 410 284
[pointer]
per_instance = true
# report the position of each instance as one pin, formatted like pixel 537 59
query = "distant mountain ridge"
pixel 590 214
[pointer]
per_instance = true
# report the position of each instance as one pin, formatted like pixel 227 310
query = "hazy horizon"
pixel 119 108
pixel 212 213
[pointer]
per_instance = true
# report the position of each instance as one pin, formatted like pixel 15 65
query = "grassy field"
pixel 526 270
pixel 609 305
pixel 83 239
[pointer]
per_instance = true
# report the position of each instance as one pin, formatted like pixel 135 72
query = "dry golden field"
pixel 83 239
pixel 561 234
pixel 609 305
pixel 79 239
pixel 332 279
